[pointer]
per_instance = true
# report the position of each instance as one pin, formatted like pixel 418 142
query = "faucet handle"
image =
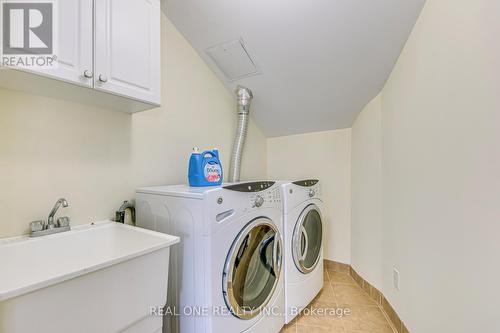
pixel 120 216
pixel 37 226
pixel 63 222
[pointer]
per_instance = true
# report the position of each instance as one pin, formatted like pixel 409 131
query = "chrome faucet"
pixel 40 228
pixel 120 213
pixel 50 220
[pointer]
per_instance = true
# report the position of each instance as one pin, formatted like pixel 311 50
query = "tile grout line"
pixel 330 283
pixel 378 301
pixel 379 306
pixel 336 300
pixel 387 318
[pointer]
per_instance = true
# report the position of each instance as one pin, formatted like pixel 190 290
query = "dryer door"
pixel 252 269
pixel 307 239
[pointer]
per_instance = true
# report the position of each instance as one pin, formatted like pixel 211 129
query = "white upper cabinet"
pixel 110 47
pixel 74 43
pixel 127 48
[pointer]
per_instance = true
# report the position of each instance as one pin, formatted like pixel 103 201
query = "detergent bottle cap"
pixel 196 150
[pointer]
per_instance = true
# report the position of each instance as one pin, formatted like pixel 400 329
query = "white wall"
pixel 51 149
pixel 440 128
pixel 324 156
pixel 197 111
pixel 96 158
pixel 366 196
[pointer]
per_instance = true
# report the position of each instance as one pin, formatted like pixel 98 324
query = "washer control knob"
pixel 259 201
pixel 312 193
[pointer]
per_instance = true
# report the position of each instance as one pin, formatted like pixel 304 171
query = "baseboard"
pixel 374 293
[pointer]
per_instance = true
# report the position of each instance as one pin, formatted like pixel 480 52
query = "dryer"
pixel 303 235
pixel 226 274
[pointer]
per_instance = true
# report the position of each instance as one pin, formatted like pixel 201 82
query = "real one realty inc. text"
pixel 201 311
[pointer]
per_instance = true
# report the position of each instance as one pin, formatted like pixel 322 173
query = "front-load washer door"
pixel 252 268
pixel 307 239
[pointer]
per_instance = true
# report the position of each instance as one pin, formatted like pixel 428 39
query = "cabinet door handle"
pixel 88 74
pixel 103 78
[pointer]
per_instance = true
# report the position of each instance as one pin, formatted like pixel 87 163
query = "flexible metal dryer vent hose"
pixel 244 99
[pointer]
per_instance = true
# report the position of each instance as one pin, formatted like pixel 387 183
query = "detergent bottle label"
pixel 212 172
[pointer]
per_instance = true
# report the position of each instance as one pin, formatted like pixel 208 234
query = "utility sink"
pixel 96 278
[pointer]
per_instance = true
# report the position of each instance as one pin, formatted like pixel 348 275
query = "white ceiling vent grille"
pixel 233 60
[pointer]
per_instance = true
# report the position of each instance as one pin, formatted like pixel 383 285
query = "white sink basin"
pixel 96 278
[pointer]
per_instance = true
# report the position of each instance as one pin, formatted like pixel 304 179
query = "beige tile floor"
pixel 340 292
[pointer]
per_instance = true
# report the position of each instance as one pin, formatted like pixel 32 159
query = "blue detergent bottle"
pixel 205 168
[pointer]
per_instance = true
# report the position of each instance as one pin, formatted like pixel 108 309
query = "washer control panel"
pixel 250 187
pixel 306 183
pixel 304 190
pixel 270 197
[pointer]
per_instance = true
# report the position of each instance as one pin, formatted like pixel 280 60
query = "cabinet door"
pixel 127 48
pixel 74 47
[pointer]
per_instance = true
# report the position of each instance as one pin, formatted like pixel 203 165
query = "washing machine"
pixel 303 235
pixel 226 275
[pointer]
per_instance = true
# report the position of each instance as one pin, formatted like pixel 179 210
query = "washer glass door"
pixel 252 268
pixel 307 239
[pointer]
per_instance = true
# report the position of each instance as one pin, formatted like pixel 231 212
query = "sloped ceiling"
pixel 321 61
